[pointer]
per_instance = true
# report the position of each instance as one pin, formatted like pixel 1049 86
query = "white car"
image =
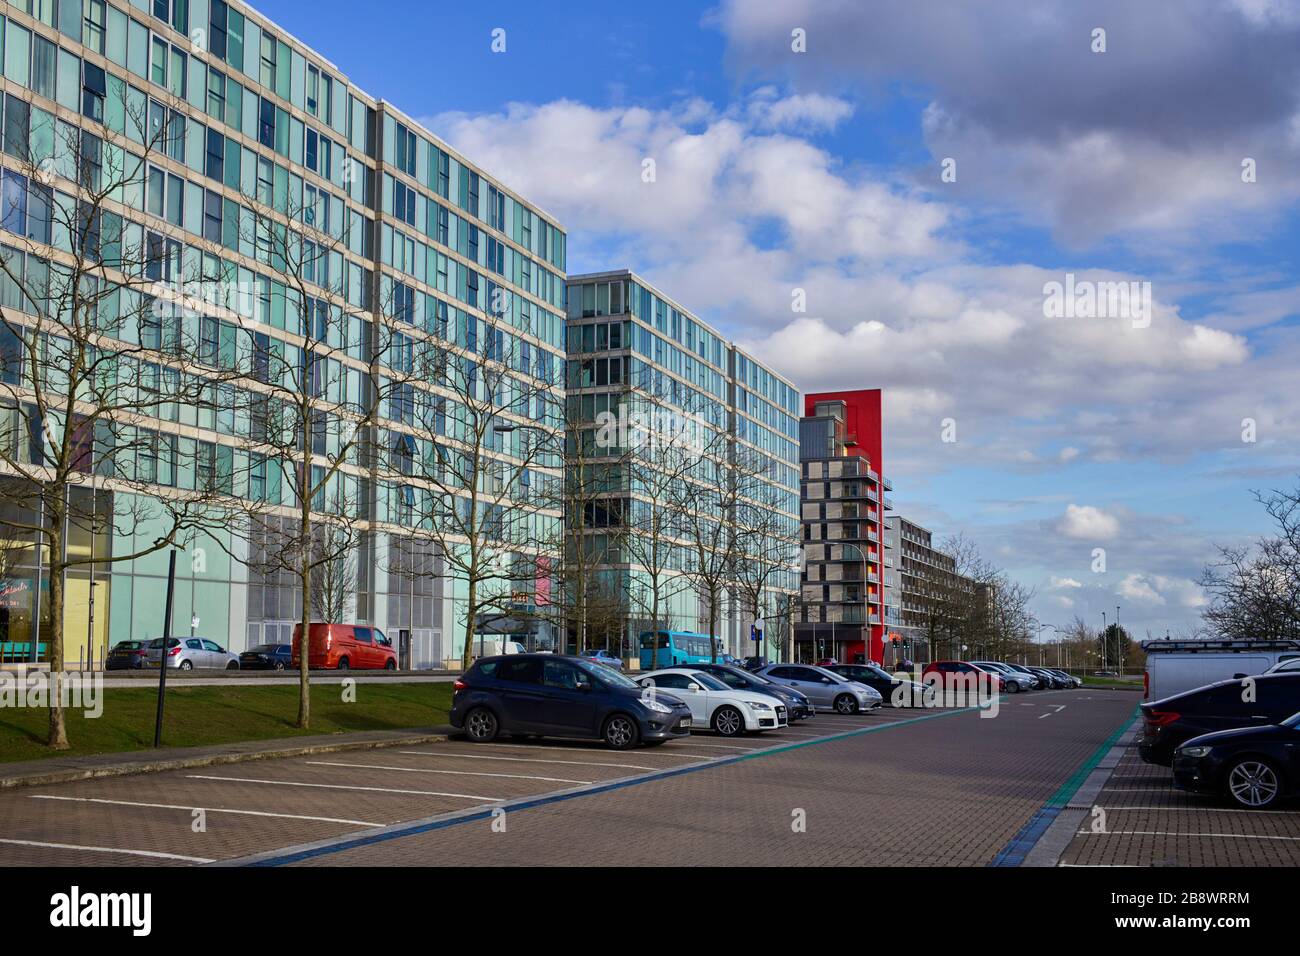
pixel 713 704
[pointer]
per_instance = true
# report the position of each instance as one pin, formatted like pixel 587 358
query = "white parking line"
pixel 152 854
pixel 177 806
pixel 340 786
pixel 571 763
pixel 1204 810
pixel 660 752
pixel 1174 833
pixel 460 773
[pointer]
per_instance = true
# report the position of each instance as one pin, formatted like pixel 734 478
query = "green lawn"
pixel 1132 683
pixel 196 716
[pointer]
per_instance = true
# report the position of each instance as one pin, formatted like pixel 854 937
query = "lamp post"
pixel 866 627
pixel 1119 644
pixel 1103 640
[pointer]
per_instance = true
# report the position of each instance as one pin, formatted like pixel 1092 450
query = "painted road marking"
pixel 1169 833
pixel 571 763
pixel 543 748
pixel 341 786
pixel 177 806
pixel 1203 810
pixel 461 773
pixel 152 854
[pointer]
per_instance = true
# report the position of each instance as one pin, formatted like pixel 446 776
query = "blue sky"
pixel 819 171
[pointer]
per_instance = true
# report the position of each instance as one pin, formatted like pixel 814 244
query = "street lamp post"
pixel 1104 640
pixel 1118 642
pixel 866 627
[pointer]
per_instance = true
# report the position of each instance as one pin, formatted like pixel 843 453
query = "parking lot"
pixel 906 787
pixel 1144 821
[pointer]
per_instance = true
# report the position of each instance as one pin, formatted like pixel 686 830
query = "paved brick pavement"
pixel 950 789
pixel 1149 823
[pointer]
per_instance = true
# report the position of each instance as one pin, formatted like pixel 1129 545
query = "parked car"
pixel 267 657
pixel 127 655
pixel 190 652
pixel 1039 683
pixel 729 711
pixel 827 662
pixel 1066 675
pixel 1050 681
pixel 797 706
pixel 602 656
pixel 826 690
pixel 754 663
pixel 894 691
pixel 1225 705
pixel 1254 767
pixel 556 695
pixel 954 675
pixel 345 647
pixel 731 661
pixel 1013 680
pixel 1289 666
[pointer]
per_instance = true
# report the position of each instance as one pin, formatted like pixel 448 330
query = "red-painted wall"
pixel 863 421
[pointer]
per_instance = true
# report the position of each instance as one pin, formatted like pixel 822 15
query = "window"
pixel 216 155
pixel 216 94
pixel 44 55
pixel 92 34
pixel 268 61
pixel 211 216
pixel 158 62
pixel 266 123
pixel 405 150
pixel 93 91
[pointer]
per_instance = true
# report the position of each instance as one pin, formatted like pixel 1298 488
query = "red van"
pixel 346 647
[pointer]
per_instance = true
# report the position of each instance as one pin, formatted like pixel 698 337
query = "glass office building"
pixel 259 125
pixel 639 361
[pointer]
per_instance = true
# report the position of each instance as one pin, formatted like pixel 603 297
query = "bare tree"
pixel 470 461
pixel 335 582
pixel 98 350
pixel 767 545
pixel 1254 589
pixel 314 396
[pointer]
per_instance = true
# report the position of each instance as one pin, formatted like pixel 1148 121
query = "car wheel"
pixel 1012 687
pixel 391 665
pixel 728 722
pixel 845 704
pixel 620 732
pixel 481 726
pixel 186 666
pixel 233 666
pixel 278 665
pixel 343 663
pixel 1253 783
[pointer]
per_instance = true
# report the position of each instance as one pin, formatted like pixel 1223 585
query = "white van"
pixel 1176 666
pixel 485 646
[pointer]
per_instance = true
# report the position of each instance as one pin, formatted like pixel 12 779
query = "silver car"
pixel 825 689
pixel 1013 679
pixel 187 653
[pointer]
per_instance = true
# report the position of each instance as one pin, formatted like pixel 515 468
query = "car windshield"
pixel 1292 721
pixel 262 649
pixel 746 677
pixel 607 675
pixel 157 642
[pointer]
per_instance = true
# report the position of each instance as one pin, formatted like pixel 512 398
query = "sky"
pixel 924 176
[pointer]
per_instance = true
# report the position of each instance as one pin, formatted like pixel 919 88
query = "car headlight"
pixel 1194 751
pixel 757 705
pixel 655 706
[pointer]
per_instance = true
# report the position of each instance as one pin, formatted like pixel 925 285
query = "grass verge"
pixel 205 716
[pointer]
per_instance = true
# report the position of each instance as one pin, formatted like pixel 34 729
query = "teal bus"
pixel 671 648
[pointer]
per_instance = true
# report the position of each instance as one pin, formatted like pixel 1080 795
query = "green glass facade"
pixel 260 125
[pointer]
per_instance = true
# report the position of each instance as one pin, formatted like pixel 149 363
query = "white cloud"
pixel 1088 523
pixel 1058 583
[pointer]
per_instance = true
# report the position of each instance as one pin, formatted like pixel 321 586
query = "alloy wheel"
pixel 1253 783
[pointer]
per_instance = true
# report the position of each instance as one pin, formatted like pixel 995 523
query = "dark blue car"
pixel 558 696
pixel 266 657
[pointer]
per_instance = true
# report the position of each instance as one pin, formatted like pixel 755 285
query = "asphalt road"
pixel 905 787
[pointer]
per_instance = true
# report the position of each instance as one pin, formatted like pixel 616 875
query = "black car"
pixel 754 663
pixel 1254 767
pixel 1226 705
pixel 560 696
pixel 797 706
pixel 1049 679
pixel 126 655
pixel 266 657
pixel 894 691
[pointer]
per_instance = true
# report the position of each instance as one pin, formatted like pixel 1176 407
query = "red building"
pixel 842 607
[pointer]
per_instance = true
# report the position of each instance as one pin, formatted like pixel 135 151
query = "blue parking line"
pixel 527 803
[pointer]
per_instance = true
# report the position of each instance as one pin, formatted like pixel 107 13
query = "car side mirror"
pixel 693 689
pixel 585 685
pixel 826 680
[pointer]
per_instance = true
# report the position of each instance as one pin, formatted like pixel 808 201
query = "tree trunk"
pixel 471 611
pixel 304 642
pixel 58 733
